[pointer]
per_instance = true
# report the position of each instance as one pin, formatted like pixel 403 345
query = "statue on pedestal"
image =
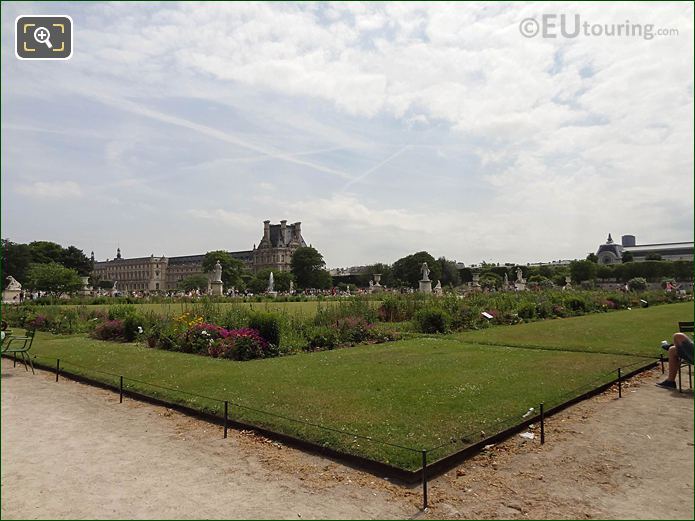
pixel 217 272
pixel 425 282
pixel 425 272
pixel 438 288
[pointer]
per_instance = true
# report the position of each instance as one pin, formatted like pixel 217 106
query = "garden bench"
pixel 22 345
pixel 685 327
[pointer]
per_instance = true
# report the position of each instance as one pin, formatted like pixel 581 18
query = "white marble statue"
pixel 217 272
pixel 291 287
pixel 519 275
pixel 12 284
pixel 271 283
pixel 425 272
pixel 506 280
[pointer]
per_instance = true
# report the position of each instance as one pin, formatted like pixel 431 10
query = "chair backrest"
pixel 686 327
pixel 31 335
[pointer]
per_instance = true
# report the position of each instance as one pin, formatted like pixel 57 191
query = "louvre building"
pixel 154 273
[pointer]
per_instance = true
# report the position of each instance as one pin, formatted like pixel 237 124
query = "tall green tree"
pixel 232 269
pixel 53 278
pixel 197 281
pixel 308 268
pixel 73 257
pixel 16 259
pixel 407 270
pixel 450 273
pixel 44 252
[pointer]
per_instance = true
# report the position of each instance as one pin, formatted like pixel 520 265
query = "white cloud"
pixel 51 190
pixel 549 143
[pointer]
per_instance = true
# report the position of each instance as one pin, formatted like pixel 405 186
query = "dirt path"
pixel 91 457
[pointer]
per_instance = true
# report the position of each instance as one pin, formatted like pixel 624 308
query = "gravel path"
pixel 71 451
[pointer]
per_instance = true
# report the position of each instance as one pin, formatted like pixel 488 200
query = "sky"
pixel 385 128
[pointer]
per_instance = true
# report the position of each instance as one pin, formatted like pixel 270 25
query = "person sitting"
pixel 681 349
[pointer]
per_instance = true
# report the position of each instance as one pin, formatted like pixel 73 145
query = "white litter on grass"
pixel 528 435
pixel 528 413
pixel 488 447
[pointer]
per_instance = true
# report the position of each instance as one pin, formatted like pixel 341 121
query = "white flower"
pixel 140 330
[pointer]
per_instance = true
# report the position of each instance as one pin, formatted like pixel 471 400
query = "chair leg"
pixel 24 361
pixel 31 364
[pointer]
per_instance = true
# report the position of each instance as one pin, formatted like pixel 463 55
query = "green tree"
pixel 15 260
pixel 308 268
pixel 582 270
pixel 592 258
pixel 408 270
pixel 449 271
pixel 232 269
pixel 44 252
pixel 72 257
pixel 627 256
pixel 53 278
pixel 653 257
pixel 194 282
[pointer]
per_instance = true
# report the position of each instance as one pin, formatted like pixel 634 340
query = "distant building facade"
pixel 153 273
pixel 612 252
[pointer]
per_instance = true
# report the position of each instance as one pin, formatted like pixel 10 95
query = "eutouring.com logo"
pixel 572 26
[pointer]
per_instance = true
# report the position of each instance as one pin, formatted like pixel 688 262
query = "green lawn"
pixel 418 392
pixel 635 332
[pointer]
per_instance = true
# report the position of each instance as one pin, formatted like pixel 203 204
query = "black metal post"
pixel 661 359
pixel 120 398
pixel 226 410
pixel 542 425
pixel 620 384
pixel 57 368
pixel 424 480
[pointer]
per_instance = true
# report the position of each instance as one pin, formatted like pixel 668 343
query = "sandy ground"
pixel 72 451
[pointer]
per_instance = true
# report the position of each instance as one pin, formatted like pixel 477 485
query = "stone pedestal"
pixel 272 294
pixel 425 286
pixel 11 296
pixel 216 288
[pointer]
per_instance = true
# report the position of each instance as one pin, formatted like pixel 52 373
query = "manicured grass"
pixel 635 332
pixel 418 393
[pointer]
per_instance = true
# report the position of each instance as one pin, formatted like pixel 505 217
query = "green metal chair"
pixel 22 345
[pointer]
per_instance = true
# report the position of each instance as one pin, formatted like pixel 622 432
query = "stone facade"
pixel 153 274
pixel 277 246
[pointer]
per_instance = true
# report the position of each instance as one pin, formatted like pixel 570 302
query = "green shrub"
pixel 431 320
pixel 132 326
pixel 323 337
pixel 268 325
pixel 120 311
pixel 637 284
